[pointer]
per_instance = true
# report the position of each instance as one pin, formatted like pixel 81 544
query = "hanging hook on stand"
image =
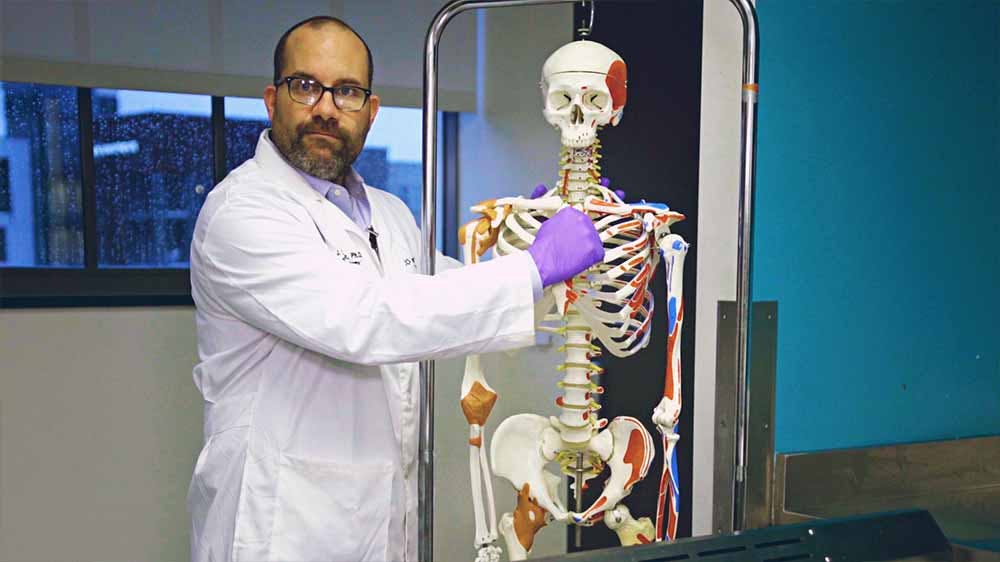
pixel 586 27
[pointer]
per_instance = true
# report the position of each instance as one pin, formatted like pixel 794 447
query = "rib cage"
pixel 613 297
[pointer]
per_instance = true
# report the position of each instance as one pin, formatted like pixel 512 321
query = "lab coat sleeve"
pixel 265 264
pixel 444 263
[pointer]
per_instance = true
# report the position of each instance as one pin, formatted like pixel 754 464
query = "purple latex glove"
pixel 565 246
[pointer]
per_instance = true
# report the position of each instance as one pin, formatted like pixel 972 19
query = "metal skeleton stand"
pixel 748 144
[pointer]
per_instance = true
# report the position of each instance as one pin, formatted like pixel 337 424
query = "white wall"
pixel 507 147
pixel 718 202
pixel 220 47
pixel 100 425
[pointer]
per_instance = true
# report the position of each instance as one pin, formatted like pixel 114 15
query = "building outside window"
pixel 152 169
pixel 40 189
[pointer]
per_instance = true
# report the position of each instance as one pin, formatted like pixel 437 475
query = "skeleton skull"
pixel 584 84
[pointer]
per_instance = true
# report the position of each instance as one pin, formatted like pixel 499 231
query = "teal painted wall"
pixel 878 218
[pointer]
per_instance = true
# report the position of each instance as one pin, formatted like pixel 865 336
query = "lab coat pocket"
pixel 331 511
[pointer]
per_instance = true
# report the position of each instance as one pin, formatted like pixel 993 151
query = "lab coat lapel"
pixel 338 231
pixel 400 380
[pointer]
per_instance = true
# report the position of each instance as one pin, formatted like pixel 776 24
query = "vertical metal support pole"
pixel 428 223
pixel 425 460
pixel 748 159
pixel 88 180
pixel 219 170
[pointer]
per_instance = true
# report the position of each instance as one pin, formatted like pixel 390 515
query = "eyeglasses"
pixel 308 92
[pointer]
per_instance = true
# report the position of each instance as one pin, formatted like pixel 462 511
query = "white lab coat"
pixel 302 333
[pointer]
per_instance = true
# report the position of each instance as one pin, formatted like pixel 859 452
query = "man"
pixel 310 313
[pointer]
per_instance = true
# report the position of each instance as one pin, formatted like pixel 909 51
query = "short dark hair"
pixel 316 22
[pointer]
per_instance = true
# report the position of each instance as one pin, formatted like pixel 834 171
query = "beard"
pixel 331 166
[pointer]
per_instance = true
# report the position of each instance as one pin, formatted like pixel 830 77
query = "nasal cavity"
pixel 577 117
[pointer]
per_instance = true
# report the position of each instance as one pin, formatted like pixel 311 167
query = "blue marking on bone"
pixel 671 314
pixel 676 483
pixel 659 206
pixel 678 245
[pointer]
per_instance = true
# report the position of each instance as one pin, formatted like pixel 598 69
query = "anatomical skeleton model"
pixel 584 84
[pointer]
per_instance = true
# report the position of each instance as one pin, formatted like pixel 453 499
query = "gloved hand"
pixel 565 246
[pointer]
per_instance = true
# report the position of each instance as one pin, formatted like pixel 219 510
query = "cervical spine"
pixel 580 172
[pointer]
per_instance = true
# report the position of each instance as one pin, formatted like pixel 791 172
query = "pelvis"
pixel 525 444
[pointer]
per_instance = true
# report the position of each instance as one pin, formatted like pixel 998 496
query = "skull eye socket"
pixel 595 100
pixel 559 100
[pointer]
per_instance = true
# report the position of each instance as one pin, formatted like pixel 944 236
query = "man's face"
pixel 321 140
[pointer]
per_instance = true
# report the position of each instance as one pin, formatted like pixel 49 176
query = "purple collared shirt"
pixel 350 198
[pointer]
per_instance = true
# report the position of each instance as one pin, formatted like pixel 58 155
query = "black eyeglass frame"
pixel 287 81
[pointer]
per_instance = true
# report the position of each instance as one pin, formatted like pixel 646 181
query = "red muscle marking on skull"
pixel 616 80
pixel 642 538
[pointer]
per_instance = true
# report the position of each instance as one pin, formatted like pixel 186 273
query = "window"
pixel 4 185
pixel 41 205
pixel 152 169
pixel 100 189
pixel 245 119
pixel 393 154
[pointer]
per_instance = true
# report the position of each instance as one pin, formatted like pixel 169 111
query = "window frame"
pixel 92 286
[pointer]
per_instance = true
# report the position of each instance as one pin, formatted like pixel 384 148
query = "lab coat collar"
pixel 271 160
pixel 290 179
